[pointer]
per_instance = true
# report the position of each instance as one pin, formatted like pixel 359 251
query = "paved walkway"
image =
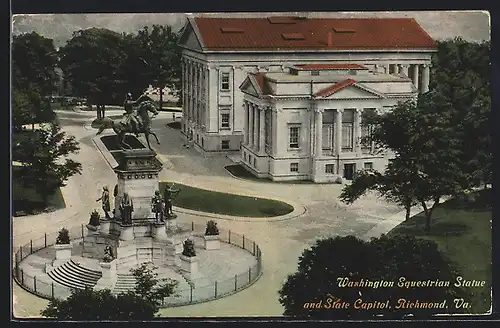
pixel 281 242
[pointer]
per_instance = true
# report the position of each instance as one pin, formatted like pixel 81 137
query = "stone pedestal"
pixel 170 256
pixel 189 265
pixel 109 275
pixel 90 240
pixel 105 226
pixel 138 177
pixel 127 232
pixel 171 224
pixel 159 232
pixel 63 254
pixel 212 242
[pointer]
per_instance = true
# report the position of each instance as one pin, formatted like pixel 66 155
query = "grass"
pixel 111 142
pixel 227 204
pixel 462 230
pixel 98 122
pixel 174 125
pixel 25 201
pixel 240 172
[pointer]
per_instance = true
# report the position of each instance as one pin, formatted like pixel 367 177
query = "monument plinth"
pixel 137 174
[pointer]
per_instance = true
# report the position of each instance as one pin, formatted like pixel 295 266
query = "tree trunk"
pixel 103 111
pixel 428 214
pixel 161 98
pixel 408 209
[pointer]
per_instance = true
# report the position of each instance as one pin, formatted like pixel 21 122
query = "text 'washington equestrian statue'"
pixel 136 120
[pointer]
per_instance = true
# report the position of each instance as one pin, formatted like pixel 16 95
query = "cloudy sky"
pixel 470 25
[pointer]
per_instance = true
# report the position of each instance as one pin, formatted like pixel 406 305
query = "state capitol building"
pixel 288 93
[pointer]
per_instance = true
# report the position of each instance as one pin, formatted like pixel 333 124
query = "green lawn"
pixel 96 124
pixel 240 172
pixel 228 204
pixel 462 230
pixel 27 201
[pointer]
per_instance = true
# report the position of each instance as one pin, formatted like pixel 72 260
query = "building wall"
pixel 239 65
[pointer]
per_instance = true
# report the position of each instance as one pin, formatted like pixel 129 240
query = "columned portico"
pixel 250 125
pixel 415 76
pixel 262 140
pixel 245 113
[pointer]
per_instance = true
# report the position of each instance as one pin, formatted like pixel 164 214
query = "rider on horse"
pixel 130 117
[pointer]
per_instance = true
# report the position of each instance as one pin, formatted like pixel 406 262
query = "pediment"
pixel 189 38
pixel 249 86
pixel 355 91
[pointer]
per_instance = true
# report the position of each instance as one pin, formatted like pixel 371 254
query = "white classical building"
pixel 305 124
pixel 219 54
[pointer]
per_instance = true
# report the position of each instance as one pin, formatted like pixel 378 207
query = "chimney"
pixel 330 41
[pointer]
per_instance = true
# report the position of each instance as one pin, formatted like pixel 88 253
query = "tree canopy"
pixel 91 305
pixel 325 268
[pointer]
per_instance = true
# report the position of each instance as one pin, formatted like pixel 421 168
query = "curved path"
pixel 281 241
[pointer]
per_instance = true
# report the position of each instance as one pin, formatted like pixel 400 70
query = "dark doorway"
pixel 349 171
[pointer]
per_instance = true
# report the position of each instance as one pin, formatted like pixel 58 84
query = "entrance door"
pixel 349 171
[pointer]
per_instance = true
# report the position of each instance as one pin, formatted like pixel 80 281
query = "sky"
pixel 470 25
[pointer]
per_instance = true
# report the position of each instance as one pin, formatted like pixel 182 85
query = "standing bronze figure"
pixel 126 209
pixel 106 207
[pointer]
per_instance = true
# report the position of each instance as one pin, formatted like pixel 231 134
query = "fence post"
pixel 254 248
pixel 229 236
pixel 31 246
pixel 52 289
pixel 21 252
pixel 34 283
pixel 192 225
pixel 243 241
pixel 22 276
pixel 82 230
pixel 45 238
pixel 249 274
pixel 216 289
pixel 190 293
pixel 235 282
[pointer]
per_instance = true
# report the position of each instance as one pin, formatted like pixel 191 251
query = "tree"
pixel 325 269
pixel 162 57
pixel 427 156
pixel 34 58
pixel 46 165
pixel 93 305
pixel 92 61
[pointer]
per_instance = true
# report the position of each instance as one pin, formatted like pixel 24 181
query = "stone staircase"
pixel 72 275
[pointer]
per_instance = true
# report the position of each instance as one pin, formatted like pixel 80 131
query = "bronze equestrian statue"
pixel 136 120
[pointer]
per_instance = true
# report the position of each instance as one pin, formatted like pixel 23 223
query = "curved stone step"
pixel 74 276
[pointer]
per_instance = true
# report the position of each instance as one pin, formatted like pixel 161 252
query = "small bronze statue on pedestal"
pixel 106 207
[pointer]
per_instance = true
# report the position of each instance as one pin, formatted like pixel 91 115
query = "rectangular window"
pixel 347 129
pixel 314 73
pixel 366 130
pixel 368 165
pixel 327 137
pixel 202 142
pixel 244 156
pixel 329 169
pixel 197 138
pixel 224 120
pixel 224 81
pixel 267 129
pixel 294 167
pixel 254 162
pixel 225 144
pixel 294 136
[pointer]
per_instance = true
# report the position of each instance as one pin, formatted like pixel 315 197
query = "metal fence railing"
pixel 199 290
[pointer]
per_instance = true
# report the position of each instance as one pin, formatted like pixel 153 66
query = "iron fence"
pixel 199 290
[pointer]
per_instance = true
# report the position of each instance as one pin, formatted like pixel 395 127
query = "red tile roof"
pixel 262 82
pixel 314 67
pixel 334 88
pixel 346 34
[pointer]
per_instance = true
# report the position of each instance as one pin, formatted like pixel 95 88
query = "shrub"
pixel 211 229
pixel 95 219
pixel 63 237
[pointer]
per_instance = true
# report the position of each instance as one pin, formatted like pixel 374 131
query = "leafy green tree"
pixel 45 158
pixel 92 305
pixel 34 58
pixel 92 61
pixel 426 162
pixel 323 268
pixel 161 56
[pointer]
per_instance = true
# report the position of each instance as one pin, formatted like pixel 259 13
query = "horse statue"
pixel 142 106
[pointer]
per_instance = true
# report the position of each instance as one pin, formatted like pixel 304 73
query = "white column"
pixel 404 69
pixel 184 91
pixel 262 145
pixel 190 90
pixel 396 69
pixel 245 123
pixel 386 69
pixel 250 125
pixel 319 132
pixel 338 130
pixel 415 76
pixel 357 128
pixel 256 113
pixel 425 78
